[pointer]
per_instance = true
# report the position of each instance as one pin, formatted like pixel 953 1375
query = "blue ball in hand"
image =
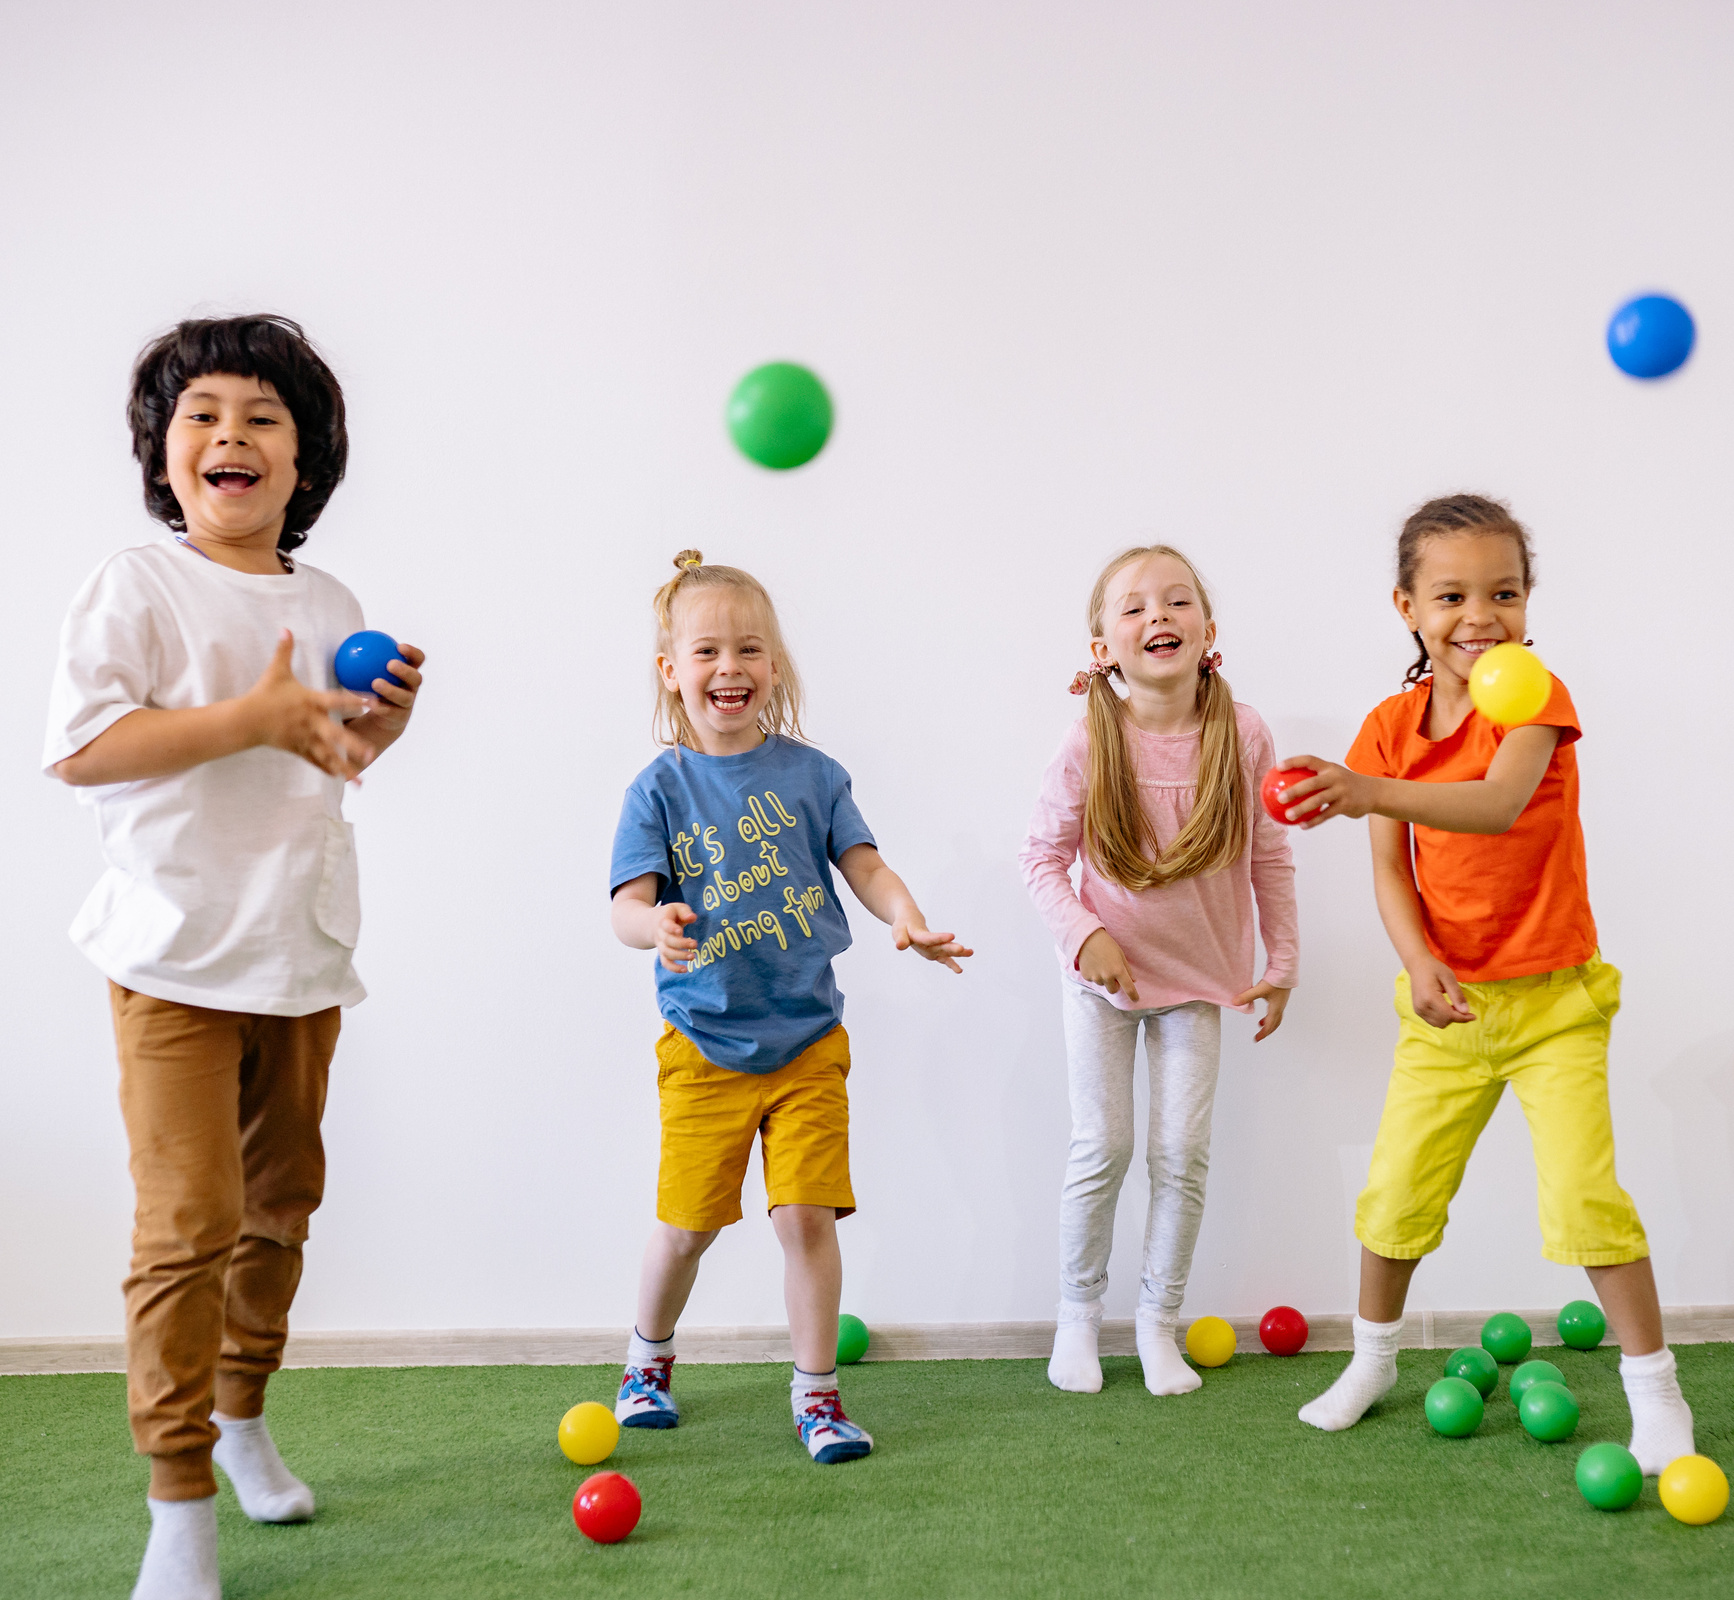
pixel 1651 336
pixel 364 656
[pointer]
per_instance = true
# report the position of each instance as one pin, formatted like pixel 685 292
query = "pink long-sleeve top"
pixel 1190 940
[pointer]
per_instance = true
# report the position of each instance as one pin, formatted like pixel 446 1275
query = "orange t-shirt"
pixel 1499 905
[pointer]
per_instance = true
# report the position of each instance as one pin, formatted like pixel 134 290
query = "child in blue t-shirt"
pixel 722 865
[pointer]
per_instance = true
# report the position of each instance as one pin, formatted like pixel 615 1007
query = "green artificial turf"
pixel 446 1482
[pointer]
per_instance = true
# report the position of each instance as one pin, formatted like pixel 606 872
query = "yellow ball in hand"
pixel 1694 1490
pixel 588 1433
pixel 1509 685
pixel 1210 1341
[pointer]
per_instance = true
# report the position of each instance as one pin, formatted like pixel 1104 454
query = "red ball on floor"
pixel 1283 1331
pixel 606 1507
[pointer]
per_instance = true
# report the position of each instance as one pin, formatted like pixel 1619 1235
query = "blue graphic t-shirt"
pixel 747 841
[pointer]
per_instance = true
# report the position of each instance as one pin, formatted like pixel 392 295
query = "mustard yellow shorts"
pixel 1548 1037
pixel 800 1113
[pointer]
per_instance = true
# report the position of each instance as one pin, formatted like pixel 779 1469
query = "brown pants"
pixel 222 1113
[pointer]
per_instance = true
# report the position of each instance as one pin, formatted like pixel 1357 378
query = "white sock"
pixel 1165 1372
pixel 1661 1419
pixel 180 1562
pixel 1076 1363
pixel 1369 1376
pixel 268 1490
pixel 641 1351
pixel 806 1384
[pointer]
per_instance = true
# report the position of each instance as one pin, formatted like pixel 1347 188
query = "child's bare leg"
pixel 1384 1286
pixel 1661 1419
pixel 812 1282
pixel 1372 1370
pixel 671 1259
pixel 812 1289
pixel 1628 1295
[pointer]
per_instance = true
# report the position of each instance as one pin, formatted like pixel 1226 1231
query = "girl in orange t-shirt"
pixel 1478 866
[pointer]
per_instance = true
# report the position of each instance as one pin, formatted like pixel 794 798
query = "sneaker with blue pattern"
pixel 830 1436
pixel 644 1400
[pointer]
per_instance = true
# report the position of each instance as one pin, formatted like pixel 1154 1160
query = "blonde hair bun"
pixel 688 558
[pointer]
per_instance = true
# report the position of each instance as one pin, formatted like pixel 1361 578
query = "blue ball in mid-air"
pixel 1651 336
pixel 364 656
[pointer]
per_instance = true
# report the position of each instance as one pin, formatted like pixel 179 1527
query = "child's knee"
pixel 804 1228
pixel 687 1244
pixel 1099 1153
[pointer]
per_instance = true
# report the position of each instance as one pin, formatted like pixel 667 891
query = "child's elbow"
pixel 74 770
pixel 1506 818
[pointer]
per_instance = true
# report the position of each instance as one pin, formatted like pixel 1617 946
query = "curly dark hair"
pixel 1455 514
pixel 275 351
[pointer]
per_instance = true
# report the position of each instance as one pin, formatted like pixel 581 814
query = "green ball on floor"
pixel 1582 1325
pixel 1533 1372
pixel 852 1340
pixel 1609 1477
pixel 1548 1412
pixel 1454 1407
pixel 1474 1365
pixel 1506 1337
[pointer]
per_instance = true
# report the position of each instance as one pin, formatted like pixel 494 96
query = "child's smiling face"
pixel 721 667
pixel 230 449
pixel 1154 625
pixel 1469 595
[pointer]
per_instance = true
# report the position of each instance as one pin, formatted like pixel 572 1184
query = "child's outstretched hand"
pixel 941 947
pixel 1102 962
pixel 1436 994
pixel 672 944
pixel 284 713
pixel 1275 1000
pixel 1333 791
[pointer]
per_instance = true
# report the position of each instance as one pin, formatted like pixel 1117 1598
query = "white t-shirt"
pixel 232 885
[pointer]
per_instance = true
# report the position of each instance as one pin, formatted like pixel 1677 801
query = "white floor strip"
pixel 908 1341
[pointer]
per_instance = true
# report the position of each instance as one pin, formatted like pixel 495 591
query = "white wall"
pixel 1256 278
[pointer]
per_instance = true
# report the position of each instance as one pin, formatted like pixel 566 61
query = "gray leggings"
pixel 1184 1046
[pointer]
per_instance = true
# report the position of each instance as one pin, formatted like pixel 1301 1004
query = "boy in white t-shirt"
pixel 196 710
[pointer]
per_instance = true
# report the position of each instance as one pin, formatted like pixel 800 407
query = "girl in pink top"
pixel 1154 791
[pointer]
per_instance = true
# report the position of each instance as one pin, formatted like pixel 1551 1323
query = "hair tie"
pixel 1081 683
pixel 1209 664
pixel 695 563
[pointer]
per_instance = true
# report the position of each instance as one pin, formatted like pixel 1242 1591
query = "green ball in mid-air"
pixel 1454 1407
pixel 1533 1372
pixel 1582 1325
pixel 1548 1412
pixel 1505 1336
pixel 852 1340
pixel 1609 1477
pixel 780 415
pixel 1474 1365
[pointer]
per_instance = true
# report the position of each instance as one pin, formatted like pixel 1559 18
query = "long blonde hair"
pixel 1118 838
pixel 782 713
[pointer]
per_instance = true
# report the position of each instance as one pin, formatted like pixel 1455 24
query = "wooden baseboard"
pixel 907 1341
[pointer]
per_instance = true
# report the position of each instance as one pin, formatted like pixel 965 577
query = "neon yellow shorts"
pixel 800 1114
pixel 1548 1037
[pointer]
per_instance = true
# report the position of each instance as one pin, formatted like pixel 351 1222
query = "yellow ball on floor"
pixel 1210 1341
pixel 588 1433
pixel 1694 1490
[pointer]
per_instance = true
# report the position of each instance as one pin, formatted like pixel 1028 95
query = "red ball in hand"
pixel 606 1507
pixel 1283 1331
pixel 1281 778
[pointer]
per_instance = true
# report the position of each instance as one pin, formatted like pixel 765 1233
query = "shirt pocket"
pixel 337 908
